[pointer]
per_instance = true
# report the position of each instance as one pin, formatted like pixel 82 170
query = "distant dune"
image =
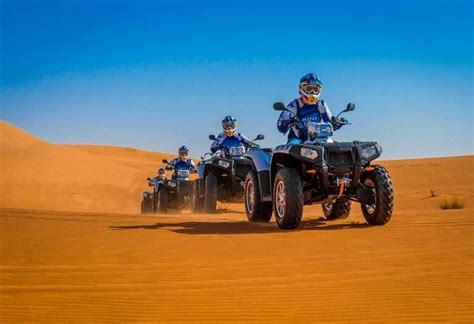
pixel 39 175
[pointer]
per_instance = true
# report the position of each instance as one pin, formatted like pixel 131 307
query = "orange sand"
pixel 72 247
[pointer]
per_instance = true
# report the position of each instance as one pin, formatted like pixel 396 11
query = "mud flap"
pixel 264 183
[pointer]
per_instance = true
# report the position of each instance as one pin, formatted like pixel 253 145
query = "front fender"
pixel 261 160
pixel 200 170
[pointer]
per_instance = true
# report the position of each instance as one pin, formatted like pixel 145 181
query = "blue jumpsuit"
pixel 178 164
pixel 224 142
pixel 317 113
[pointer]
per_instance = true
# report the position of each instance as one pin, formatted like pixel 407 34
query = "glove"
pixel 336 122
pixel 293 120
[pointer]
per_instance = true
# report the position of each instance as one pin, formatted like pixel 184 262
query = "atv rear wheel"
pixel 288 198
pixel 163 198
pixel 255 208
pixel 380 183
pixel 198 202
pixel 339 209
pixel 210 193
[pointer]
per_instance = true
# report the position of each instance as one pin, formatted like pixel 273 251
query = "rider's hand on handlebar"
pixel 337 122
pixel 293 120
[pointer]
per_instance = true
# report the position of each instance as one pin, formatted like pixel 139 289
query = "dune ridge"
pixel 40 175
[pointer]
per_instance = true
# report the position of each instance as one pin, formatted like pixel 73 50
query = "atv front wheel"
pixel 198 202
pixel 255 208
pixel 380 183
pixel 163 197
pixel 288 198
pixel 146 206
pixel 210 193
pixel 339 209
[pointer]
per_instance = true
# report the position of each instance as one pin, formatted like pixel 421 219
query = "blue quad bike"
pixel 149 200
pixel 175 193
pixel 221 176
pixel 318 171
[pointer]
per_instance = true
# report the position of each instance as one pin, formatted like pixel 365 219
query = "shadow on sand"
pixel 240 227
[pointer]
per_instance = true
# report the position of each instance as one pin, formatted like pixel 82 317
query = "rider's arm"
pixel 285 118
pixel 325 111
pixel 192 165
pixel 217 144
pixel 244 140
pixel 171 165
pixel 328 117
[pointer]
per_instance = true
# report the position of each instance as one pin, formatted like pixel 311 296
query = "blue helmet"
pixel 310 88
pixel 311 78
pixel 183 153
pixel 229 125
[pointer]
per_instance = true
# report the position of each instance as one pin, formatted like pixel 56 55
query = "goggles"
pixel 311 88
pixel 229 127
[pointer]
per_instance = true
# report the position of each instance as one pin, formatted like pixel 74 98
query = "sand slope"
pixel 96 266
pixel 38 175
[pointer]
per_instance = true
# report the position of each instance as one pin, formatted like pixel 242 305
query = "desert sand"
pixel 74 248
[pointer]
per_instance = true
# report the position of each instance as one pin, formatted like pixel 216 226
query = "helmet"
pixel 310 88
pixel 161 173
pixel 229 125
pixel 183 153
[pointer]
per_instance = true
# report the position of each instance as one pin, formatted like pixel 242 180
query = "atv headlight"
pixel 370 152
pixel 224 164
pixel 171 184
pixel 309 153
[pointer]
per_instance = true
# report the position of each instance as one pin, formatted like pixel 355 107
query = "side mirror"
pixel 212 137
pixel 350 106
pixel 149 179
pixel 259 137
pixel 164 161
pixel 280 106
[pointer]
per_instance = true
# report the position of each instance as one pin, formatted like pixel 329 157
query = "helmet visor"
pixel 311 88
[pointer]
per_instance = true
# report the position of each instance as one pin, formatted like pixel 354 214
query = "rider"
pixel 308 107
pixel 182 162
pixel 229 137
pixel 160 177
pixel 161 174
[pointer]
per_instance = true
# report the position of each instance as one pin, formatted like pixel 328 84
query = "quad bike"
pixel 174 193
pixel 147 203
pixel 149 199
pixel 221 176
pixel 318 171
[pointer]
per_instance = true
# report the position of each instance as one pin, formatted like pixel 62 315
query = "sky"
pixel 156 75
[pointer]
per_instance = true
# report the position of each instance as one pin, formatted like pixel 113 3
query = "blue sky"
pixel 160 74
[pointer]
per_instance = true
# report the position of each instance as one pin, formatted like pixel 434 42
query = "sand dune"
pixel 97 260
pixel 40 175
